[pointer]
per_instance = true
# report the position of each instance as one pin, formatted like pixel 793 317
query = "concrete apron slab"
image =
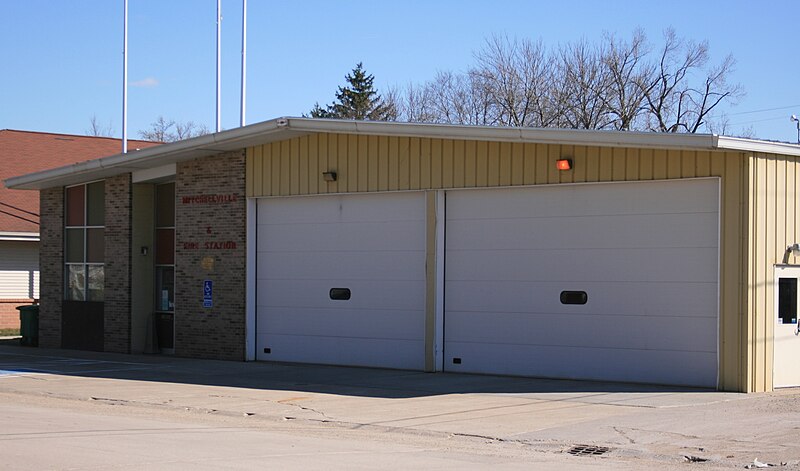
pixel 638 417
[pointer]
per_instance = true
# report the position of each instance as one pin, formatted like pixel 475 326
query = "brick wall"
pixel 117 303
pixel 9 315
pixel 210 238
pixel 51 266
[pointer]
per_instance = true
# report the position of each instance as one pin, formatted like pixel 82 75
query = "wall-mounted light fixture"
pixel 793 249
pixel 143 250
pixel 564 164
pixel 329 176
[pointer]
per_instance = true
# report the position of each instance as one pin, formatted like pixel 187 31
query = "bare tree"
pixel 584 83
pixel 167 130
pixel 626 70
pixel 189 129
pixel 462 99
pixel 413 104
pixel 518 75
pixel 98 130
pixel 616 84
pixel 450 98
pixel 674 103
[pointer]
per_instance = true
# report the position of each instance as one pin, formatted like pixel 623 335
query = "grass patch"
pixel 9 332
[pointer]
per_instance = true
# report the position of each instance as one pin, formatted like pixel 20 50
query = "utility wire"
pixel 19 217
pixel 758 121
pixel 764 110
pixel 18 209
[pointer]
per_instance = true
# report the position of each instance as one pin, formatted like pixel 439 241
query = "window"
pixel 787 300
pixel 84 243
pixel 165 247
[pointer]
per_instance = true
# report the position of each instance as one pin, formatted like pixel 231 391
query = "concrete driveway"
pixel 625 426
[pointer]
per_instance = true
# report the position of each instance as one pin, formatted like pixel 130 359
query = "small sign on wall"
pixel 208 293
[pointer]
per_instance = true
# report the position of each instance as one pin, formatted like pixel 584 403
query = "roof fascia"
pixel 765 147
pixel 287 128
pixel 156 156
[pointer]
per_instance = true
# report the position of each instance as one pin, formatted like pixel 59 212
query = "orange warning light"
pixel 564 164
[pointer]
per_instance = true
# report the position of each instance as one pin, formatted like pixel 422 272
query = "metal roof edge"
pixel 163 154
pixel 288 127
pixel 507 134
pixel 752 145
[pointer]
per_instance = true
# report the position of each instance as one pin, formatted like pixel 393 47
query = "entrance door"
pixel 786 336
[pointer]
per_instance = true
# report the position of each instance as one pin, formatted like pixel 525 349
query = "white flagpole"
pixel 244 61
pixel 219 55
pixel 125 78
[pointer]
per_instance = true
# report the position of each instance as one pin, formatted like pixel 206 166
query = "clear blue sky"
pixel 62 59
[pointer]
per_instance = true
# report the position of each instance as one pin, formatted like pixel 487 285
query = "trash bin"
pixel 29 324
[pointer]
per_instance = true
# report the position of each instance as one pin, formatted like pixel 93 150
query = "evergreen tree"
pixel 357 100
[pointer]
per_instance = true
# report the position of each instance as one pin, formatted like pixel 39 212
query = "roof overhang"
pixel 287 128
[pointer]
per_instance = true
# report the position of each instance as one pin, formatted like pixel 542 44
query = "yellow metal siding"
pixel 381 163
pixel 368 163
pixel 774 213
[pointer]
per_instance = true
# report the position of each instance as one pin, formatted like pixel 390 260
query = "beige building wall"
pixel 775 214
pixel 383 163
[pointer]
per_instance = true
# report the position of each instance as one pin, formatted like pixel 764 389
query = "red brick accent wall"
pixel 117 297
pixel 51 266
pixel 210 235
pixel 9 315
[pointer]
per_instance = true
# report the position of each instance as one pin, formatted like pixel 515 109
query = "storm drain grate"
pixel 586 450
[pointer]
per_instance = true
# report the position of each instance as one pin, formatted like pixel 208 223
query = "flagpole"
pixel 244 62
pixel 219 55
pixel 125 78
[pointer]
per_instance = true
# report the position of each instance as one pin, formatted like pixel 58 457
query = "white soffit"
pixel 151 174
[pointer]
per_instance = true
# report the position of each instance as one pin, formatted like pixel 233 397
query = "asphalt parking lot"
pixel 456 421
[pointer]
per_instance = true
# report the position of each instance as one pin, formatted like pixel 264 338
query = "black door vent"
pixel 587 450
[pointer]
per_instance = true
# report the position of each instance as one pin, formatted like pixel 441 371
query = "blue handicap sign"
pixel 208 293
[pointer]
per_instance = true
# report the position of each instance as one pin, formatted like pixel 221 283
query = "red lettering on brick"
pixel 220 245
pixel 210 199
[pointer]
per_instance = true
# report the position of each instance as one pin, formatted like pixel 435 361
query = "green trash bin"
pixel 29 324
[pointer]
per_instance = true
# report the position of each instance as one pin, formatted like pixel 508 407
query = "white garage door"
pixel 370 247
pixel 644 254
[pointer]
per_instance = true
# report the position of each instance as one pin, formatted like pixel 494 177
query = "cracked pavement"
pixel 455 420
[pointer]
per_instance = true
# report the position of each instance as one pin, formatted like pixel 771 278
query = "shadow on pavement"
pixel 16 360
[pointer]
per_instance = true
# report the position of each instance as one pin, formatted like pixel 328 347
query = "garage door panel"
pixel 373 245
pixel 674 299
pixel 651 265
pixel 361 236
pixel 585 363
pixel 329 351
pixel 372 294
pixel 643 231
pixel 645 253
pixel 571 201
pixel 341 209
pixel 345 323
pixel 584 330
pixel 405 265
